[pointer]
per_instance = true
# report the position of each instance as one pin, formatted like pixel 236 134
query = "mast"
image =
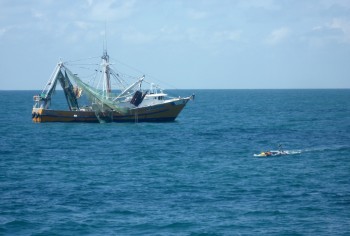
pixel 106 73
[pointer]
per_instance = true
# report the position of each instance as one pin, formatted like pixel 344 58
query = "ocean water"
pixel 195 176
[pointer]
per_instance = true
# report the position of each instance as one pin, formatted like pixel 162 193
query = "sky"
pixel 185 44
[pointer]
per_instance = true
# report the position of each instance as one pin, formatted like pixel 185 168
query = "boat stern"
pixel 37 114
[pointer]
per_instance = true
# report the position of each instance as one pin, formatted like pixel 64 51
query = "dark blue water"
pixel 195 176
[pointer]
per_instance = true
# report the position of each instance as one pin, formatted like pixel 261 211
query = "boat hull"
pixel 158 113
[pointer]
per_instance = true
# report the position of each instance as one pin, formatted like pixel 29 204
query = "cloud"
pixel 343 26
pixel 278 35
pixel 90 2
pixel 138 37
pixel 83 25
pixel 4 30
pixel 226 35
pixel 171 33
pixel 196 15
pixel 336 30
pixel 110 10
pixel 174 34
pixel 340 3
pixel 264 4
pixel 38 14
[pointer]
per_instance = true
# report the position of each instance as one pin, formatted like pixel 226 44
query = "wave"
pixel 328 148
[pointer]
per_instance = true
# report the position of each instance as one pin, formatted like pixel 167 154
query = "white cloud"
pixel 38 14
pixel 171 33
pixel 196 15
pixel 226 35
pixel 278 35
pixel 3 31
pixel 343 26
pixel 110 10
pixel 89 2
pixel 336 30
pixel 265 4
pixel 138 37
pixel 83 25
pixel 8 30
pixel 341 3
pixel 200 37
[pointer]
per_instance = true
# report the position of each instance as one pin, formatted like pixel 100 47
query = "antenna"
pixel 105 38
pixel 106 70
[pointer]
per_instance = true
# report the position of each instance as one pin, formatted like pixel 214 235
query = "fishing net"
pixel 102 105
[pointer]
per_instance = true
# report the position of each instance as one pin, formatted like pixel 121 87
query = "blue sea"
pixel 195 176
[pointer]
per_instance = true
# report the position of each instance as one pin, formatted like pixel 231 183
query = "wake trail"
pixel 332 148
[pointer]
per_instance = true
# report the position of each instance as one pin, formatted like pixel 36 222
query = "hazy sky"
pixel 224 44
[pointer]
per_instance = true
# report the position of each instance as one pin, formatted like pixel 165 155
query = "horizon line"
pixel 208 89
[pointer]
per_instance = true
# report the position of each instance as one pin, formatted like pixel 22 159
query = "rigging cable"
pixel 139 71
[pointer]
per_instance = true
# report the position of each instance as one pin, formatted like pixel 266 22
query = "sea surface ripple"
pixel 195 176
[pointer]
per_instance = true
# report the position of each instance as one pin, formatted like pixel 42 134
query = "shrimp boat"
pixel 130 102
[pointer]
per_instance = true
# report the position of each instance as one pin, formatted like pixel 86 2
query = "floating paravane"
pixel 129 102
